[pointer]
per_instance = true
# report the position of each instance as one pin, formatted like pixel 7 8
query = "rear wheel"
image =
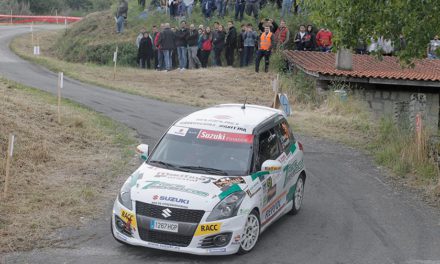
pixel 251 233
pixel 298 196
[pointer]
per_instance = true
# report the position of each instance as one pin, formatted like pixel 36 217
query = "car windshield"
pixel 204 151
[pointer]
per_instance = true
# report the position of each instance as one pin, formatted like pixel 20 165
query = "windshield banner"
pixel 225 136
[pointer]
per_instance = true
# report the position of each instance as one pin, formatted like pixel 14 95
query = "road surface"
pixel 351 214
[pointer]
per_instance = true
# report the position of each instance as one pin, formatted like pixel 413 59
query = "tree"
pixel 352 21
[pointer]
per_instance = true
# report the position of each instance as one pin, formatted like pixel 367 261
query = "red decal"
pixel 225 136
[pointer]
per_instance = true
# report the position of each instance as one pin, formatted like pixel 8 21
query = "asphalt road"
pixel 352 213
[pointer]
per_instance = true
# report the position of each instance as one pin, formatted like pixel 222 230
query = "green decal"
pixel 292 148
pixel 234 188
pixel 291 193
pixel 135 177
pixel 291 170
pixel 259 175
pixel 174 187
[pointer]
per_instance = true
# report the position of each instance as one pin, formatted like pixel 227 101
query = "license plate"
pixel 164 226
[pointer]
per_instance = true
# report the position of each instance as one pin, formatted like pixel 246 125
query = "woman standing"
pixel 219 44
pixel 145 51
pixel 206 46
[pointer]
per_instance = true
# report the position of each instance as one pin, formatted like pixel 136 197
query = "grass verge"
pixel 61 174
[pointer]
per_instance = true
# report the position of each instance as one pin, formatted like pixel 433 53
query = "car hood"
pixel 182 189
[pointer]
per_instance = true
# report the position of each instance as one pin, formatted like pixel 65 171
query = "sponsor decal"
pixel 129 218
pixel 156 245
pixel 291 193
pixel 175 187
pixel 170 199
pixel 223 117
pixel 217 250
pixel 282 158
pixel 271 192
pixel 237 128
pixel 244 211
pixel 251 194
pixel 291 170
pixel 225 136
pixel 273 208
pixel 227 181
pixel 254 189
pixel 178 131
pixel 185 177
pixel 195 123
pixel 206 229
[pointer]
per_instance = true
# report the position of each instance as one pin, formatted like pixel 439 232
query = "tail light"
pixel 300 146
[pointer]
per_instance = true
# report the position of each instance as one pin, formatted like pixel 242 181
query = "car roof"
pixel 229 118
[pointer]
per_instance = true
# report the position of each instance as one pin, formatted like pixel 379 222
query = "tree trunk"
pixel 344 60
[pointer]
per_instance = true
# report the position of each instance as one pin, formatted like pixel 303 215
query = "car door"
pixel 269 148
pixel 290 158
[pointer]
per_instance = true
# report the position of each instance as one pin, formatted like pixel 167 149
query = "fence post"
pixel 11 17
pixel 56 15
pixel 115 59
pixel 60 86
pixel 8 162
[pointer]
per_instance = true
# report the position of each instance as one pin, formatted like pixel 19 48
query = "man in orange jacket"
pixel 264 48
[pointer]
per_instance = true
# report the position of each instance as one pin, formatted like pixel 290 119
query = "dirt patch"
pixel 61 174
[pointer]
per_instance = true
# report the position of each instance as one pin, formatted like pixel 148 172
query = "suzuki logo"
pixel 166 213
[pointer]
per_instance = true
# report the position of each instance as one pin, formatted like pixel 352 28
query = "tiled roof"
pixel 364 66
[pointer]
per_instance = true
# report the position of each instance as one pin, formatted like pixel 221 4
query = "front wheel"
pixel 298 196
pixel 251 233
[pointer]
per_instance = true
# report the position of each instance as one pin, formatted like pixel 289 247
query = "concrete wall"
pixel 402 103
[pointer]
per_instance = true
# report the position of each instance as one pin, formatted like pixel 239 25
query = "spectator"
pixel 160 65
pixel 385 46
pixel 189 6
pixel 300 38
pixel 252 7
pixel 200 42
pixel 268 21
pixel 181 44
pixel 140 36
pixel 208 7
pixel 216 26
pixel 219 6
pixel 241 44
pixel 145 51
pixel 285 9
pixel 231 43
pixel 206 46
pixel 192 40
pixel 434 44
pixel 154 34
pixel 218 41
pixel 166 42
pixel 310 39
pixel 324 40
pixel 264 49
pixel 282 36
pixel 172 7
pixel 361 47
pixel 180 10
pixel 141 3
pixel 174 57
pixel 249 39
pixel 121 15
pixel 239 9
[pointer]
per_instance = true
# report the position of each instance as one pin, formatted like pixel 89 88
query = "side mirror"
pixel 271 165
pixel 143 149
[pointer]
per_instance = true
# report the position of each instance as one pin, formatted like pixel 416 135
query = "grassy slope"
pixel 61 175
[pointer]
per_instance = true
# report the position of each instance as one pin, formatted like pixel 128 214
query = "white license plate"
pixel 164 226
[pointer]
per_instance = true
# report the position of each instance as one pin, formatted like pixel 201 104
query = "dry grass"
pixel 201 87
pixel 60 174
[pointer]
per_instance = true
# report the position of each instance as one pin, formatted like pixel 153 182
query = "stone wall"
pixel 402 103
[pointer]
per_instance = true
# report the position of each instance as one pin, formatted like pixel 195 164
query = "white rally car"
pixel 216 179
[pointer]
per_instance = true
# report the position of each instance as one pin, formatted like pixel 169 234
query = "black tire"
pixel 113 234
pixel 297 207
pixel 255 216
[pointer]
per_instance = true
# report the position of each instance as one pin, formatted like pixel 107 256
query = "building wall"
pixel 402 103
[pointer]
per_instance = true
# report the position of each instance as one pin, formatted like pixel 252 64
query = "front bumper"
pixel 233 226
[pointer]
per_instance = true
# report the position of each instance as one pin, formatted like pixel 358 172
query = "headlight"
pixel 228 207
pixel 124 196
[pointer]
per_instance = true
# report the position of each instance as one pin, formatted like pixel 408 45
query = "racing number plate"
pixel 164 226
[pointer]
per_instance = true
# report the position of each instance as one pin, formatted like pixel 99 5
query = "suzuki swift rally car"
pixel 216 180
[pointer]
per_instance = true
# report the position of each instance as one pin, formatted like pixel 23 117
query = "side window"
pixel 268 147
pixel 285 135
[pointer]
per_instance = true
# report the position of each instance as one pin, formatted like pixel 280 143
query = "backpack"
pixel 207 45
